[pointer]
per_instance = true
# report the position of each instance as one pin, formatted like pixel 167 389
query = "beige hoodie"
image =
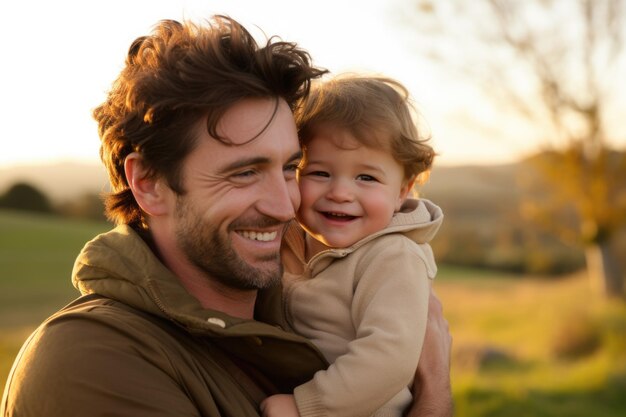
pixel 365 307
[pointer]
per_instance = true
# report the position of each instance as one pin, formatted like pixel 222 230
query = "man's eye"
pixel 292 167
pixel 244 174
pixel 365 177
pixel 290 171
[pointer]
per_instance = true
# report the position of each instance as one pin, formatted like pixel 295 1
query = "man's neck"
pixel 211 293
pixel 216 296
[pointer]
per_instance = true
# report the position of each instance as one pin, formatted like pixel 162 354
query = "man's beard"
pixel 201 242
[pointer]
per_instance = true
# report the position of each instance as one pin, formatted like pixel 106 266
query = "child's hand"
pixel 281 405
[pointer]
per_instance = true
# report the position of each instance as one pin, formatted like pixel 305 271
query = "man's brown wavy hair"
pixel 178 75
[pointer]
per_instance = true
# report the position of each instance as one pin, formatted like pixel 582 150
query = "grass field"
pixel 532 347
pixel 523 346
pixel 37 253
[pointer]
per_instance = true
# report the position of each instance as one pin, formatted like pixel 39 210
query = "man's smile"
pixel 260 236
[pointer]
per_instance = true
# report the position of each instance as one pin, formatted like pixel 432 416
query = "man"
pixel 181 311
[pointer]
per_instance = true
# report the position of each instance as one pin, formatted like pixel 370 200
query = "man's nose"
pixel 280 200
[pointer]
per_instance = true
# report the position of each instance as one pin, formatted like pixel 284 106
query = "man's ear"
pixel 407 187
pixel 150 193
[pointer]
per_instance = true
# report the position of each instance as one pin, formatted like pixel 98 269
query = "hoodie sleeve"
pixel 389 312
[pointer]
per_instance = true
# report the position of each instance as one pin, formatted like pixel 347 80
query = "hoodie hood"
pixel 121 266
pixel 418 220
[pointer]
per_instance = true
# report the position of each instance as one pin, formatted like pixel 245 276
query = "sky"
pixel 60 57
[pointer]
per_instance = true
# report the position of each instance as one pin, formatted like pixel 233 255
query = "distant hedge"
pixel 24 196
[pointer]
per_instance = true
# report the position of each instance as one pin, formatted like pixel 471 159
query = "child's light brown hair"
pixel 375 110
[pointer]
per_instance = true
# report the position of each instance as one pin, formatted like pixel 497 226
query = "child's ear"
pixel 407 187
pixel 150 193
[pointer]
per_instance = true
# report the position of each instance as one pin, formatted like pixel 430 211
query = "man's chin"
pixel 268 278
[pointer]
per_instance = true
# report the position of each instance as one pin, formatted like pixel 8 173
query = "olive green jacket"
pixel 138 344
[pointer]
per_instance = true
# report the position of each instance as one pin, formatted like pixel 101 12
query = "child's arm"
pixel 389 314
pixel 281 405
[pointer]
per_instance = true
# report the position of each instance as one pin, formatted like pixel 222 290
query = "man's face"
pixel 230 222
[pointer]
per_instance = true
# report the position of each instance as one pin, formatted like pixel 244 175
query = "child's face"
pixel 348 192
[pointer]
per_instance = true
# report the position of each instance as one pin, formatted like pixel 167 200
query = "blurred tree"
pixel 560 65
pixel 23 196
pixel 582 200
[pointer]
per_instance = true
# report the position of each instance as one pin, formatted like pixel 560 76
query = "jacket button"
pixel 217 322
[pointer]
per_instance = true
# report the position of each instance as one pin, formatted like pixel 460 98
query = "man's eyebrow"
pixel 242 163
pixel 297 155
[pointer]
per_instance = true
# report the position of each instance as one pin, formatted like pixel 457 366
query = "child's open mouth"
pixel 342 217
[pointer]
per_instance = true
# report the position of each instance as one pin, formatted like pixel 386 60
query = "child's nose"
pixel 340 191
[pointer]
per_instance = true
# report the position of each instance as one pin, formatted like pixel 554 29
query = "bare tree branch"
pixel 568 49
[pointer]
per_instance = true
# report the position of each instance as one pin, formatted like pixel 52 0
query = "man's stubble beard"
pixel 213 254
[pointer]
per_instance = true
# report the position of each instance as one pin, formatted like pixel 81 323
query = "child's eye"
pixel 365 177
pixel 319 174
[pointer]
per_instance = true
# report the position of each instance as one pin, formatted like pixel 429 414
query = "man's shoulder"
pixel 96 310
pixel 97 353
pixel 91 330
pixel 84 323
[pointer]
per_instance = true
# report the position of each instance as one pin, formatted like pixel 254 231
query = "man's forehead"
pixel 247 119
pixel 259 129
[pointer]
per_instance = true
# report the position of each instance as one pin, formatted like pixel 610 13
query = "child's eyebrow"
pixel 371 167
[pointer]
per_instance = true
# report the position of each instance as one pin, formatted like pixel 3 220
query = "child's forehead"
pixel 345 137
pixel 344 148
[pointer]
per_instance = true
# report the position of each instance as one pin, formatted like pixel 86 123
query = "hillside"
pixel 482 226
pixel 62 181
pixel 69 180
pixel 465 190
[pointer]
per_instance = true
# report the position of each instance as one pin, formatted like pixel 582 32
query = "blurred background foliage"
pixel 557 65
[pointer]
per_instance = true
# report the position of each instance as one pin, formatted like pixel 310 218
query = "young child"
pixel 358 265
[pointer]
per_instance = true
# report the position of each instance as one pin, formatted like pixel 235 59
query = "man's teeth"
pixel 330 213
pixel 262 236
